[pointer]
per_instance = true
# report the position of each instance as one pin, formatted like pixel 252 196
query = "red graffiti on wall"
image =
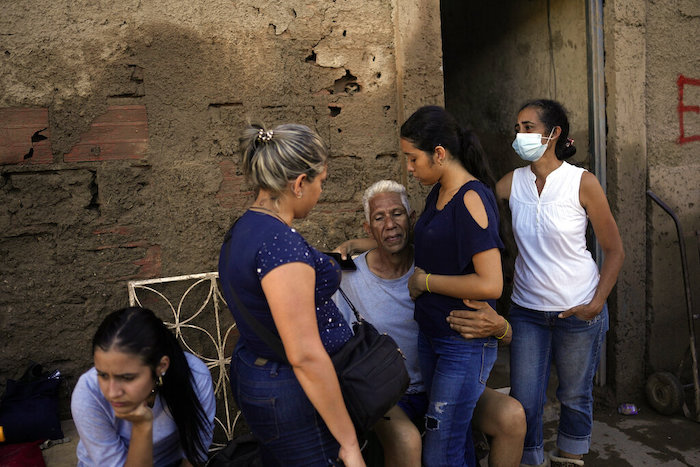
pixel 682 108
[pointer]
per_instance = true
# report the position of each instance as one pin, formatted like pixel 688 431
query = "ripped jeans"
pixel 455 371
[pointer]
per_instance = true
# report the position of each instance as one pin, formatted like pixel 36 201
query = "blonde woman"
pixel 295 410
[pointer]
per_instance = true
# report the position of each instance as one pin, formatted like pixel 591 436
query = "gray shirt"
pixel 387 305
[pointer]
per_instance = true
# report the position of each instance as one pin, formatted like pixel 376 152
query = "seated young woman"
pixel 146 401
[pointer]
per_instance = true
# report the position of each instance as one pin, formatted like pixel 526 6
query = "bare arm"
pixel 483 321
pixel 595 203
pixel 355 245
pixel 486 281
pixel 289 290
pixel 141 444
pixel 503 186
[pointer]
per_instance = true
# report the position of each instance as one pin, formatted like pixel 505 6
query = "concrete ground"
pixel 645 439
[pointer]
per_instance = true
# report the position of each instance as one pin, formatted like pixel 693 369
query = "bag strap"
pixel 358 316
pixel 261 331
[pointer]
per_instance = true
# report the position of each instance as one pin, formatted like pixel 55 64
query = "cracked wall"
pixel 143 103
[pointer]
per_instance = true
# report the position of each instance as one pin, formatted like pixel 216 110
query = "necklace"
pixel 270 212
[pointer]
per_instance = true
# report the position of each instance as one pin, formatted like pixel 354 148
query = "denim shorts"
pixel 414 405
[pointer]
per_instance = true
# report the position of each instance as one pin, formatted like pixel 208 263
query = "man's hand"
pixel 483 321
pixel 355 246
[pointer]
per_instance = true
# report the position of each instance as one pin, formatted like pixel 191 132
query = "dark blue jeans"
pixel 538 338
pixel 280 414
pixel 455 371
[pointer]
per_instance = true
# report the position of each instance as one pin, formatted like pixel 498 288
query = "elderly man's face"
pixel 389 222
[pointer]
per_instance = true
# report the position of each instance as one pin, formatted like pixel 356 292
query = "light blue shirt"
pixel 104 438
pixel 387 305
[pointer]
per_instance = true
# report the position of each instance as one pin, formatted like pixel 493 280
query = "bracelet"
pixel 505 333
pixel 426 283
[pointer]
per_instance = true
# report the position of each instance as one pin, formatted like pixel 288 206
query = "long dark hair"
pixel 433 126
pixel 553 114
pixel 138 331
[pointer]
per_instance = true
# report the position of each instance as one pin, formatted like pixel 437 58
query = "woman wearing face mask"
pixel 558 303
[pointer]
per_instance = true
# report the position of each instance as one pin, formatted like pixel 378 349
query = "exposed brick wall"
pixel 18 128
pixel 232 192
pixel 138 176
pixel 120 133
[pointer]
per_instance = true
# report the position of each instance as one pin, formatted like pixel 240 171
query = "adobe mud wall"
pixel 119 127
pixel 673 157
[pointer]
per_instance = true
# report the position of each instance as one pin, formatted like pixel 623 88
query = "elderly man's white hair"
pixel 385 186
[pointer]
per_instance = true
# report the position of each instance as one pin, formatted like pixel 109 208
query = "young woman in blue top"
pixel 295 410
pixel 457 256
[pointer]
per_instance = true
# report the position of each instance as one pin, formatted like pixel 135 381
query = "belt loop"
pixel 274 368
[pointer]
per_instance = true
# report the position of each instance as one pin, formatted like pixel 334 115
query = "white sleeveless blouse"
pixel 554 270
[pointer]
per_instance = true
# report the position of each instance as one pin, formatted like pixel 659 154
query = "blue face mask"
pixel 529 145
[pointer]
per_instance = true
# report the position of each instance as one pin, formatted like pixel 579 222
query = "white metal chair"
pixel 194 308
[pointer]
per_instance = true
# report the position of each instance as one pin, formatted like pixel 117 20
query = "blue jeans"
pixel 279 413
pixel 574 345
pixel 454 371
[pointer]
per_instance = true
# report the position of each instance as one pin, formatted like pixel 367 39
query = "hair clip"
pixel 264 136
pixel 569 142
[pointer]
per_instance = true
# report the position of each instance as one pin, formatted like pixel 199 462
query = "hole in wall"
pixel 335 110
pixel 347 83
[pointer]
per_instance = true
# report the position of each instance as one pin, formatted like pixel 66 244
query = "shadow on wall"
pixel 77 229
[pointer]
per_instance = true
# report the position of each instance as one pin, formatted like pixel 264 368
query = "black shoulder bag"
pixel 370 367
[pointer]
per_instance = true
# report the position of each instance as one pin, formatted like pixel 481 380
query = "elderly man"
pixel 379 291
